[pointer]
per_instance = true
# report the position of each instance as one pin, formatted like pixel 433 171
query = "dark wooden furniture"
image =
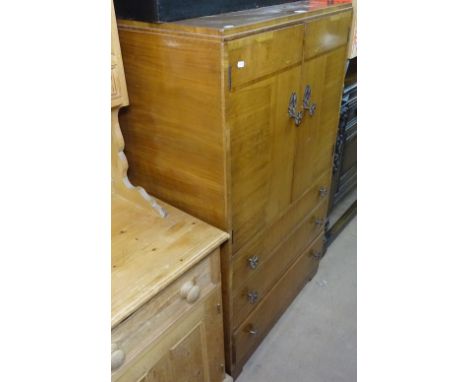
pixel 344 180
pixel 345 160
pixel 172 10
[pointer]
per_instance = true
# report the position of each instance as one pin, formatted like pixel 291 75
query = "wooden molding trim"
pixel 119 96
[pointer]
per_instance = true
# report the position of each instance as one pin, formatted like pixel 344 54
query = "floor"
pixel 315 339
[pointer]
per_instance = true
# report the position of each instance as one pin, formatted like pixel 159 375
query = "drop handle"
pixel 190 291
pixel 296 115
pixel 117 357
pixel 306 103
pixel 252 296
pixel 315 254
pixel 323 191
pixel 318 221
pixel 253 262
pixel 251 330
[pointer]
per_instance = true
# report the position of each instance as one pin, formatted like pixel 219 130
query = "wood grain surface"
pixel 149 252
pixel 265 315
pixel 209 131
pixel 173 128
pixel 262 152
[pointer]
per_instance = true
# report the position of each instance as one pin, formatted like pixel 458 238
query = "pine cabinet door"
pixel 192 351
pixel 263 137
pixel 322 85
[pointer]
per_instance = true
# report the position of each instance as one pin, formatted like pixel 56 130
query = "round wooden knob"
pixel 117 357
pixel 190 291
pixel 185 289
pixel 193 294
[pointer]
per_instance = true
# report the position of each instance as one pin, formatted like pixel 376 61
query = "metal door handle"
pixel 296 115
pixel 306 103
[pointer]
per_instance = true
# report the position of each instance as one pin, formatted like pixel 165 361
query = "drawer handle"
pixel 117 357
pixel 306 103
pixel 190 291
pixel 253 262
pixel 252 296
pixel 316 255
pixel 296 115
pixel 319 221
pixel 323 191
pixel 251 330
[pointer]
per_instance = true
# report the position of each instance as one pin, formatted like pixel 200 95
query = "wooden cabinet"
pixel 166 342
pixel 233 119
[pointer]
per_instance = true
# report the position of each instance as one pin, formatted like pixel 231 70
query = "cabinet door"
pixel 316 135
pixel 191 351
pixel 262 151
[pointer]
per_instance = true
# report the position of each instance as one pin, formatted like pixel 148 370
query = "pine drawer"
pixel 138 331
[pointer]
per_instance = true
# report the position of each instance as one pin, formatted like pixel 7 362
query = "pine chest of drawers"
pixel 166 296
pixel 233 118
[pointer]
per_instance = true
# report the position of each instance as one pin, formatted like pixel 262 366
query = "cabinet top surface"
pixel 233 23
pixel 150 252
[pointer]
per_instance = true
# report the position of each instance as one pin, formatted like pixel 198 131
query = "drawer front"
pixel 252 331
pixel 264 53
pixel 136 332
pixel 253 276
pixel 326 34
pixel 190 351
pixel 282 227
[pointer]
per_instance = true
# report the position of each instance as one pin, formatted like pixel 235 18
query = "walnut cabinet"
pixel 233 118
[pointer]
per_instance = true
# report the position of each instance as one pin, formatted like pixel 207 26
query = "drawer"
pixel 264 53
pixel 191 350
pixel 255 274
pixel 296 212
pixel 326 34
pixel 252 331
pixel 136 332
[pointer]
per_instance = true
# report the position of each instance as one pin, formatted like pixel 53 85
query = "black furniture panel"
pixel 345 159
pixel 344 180
pixel 173 10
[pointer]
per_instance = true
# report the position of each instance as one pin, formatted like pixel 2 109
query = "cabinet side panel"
pixel 173 129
